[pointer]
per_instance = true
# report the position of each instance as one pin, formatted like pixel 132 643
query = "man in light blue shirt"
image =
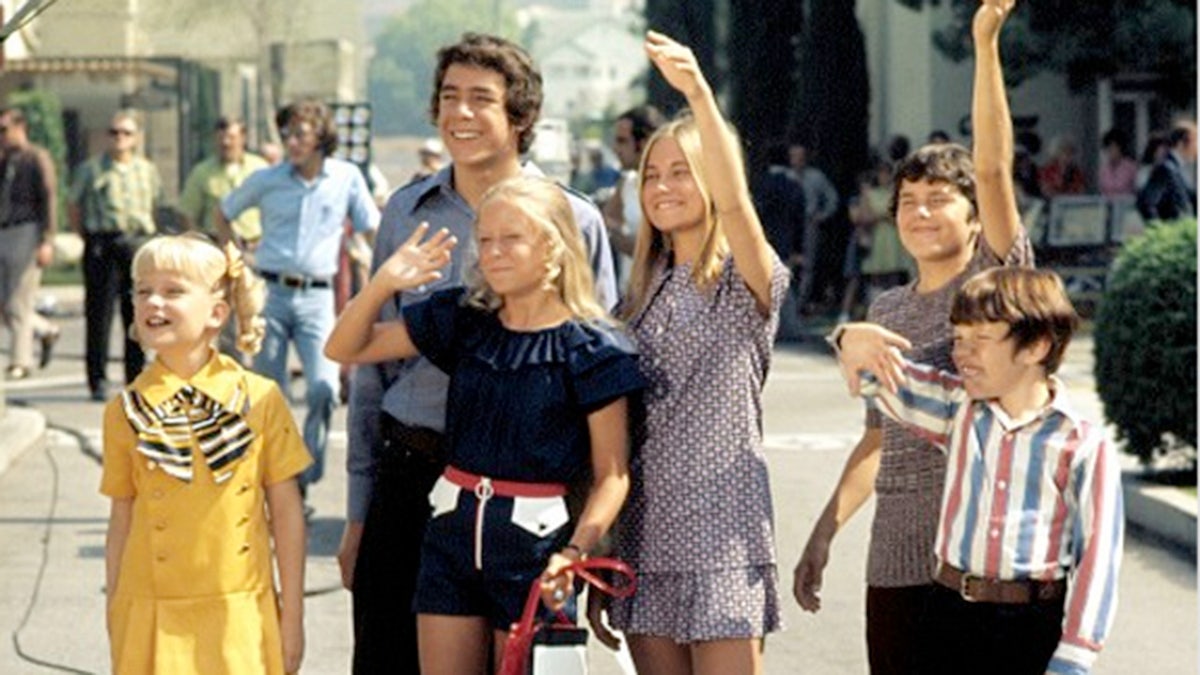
pixel 303 204
pixel 486 99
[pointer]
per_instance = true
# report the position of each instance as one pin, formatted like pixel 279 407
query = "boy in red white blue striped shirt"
pixel 1030 536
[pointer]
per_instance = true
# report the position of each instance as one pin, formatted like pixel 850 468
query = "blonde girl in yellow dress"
pixel 200 460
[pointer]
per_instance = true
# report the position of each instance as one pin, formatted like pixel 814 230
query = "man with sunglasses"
pixel 111 206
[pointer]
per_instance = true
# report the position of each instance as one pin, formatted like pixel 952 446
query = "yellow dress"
pixel 195 593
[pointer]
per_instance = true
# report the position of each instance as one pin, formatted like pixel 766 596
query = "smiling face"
pixel 936 222
pixel 472 119
pixel 175 314
pixel 513 252
pixel 671 199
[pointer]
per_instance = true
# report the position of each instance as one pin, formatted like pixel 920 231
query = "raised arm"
pixel 991 124
pixel 724 174
pixel 356 337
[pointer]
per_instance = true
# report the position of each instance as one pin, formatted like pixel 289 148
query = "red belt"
pixel 485 487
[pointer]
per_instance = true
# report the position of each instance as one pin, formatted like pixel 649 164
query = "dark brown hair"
pixel 522 80
pixel 1032 302
pixel 947 162
pixel 317 115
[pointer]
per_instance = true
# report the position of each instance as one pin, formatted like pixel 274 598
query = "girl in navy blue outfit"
pixel 538 380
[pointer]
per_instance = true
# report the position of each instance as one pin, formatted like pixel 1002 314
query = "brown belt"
pixel 982 589
pixel 411 444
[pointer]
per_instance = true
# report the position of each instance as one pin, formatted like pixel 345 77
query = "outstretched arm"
pixel 356 337
pixel 724 175
pixel 991 123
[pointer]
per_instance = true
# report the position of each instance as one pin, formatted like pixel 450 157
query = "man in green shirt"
pixel 111 206
pixel 217 176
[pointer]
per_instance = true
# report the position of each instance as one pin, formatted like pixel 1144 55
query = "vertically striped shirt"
pixel 1036 498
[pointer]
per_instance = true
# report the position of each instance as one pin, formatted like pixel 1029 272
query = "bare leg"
pixel 453 645
pixel 728 657
pixel 660 655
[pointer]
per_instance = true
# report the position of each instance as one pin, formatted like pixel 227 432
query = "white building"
pixel 589 58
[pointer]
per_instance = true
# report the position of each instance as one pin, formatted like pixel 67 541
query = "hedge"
pixel 1146 342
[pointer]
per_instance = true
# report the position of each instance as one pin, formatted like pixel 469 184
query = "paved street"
pixel 52 524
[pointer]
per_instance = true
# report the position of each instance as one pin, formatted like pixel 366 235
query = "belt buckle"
pixel 293 281
pixel 964 587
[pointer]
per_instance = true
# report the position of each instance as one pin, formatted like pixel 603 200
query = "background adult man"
pixel 623 211
pixel 781 206
pixel 303 203
pixel 111 206
pixel 28 213
pixel 487 96
pixel 1168 193
pixel 216 176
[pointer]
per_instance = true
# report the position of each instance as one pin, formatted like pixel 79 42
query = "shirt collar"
pixel 158 383
pixel 1060 404
pixel 321 172
pixel 442 182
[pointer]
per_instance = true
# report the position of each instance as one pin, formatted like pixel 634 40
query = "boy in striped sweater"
pixel 1030 534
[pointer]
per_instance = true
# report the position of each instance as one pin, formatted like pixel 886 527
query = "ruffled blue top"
pixel 518 401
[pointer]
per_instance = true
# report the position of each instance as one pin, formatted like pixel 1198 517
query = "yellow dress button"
pixel 161 557
pixel 160 525
pixel 243 520
pixel 151 465
pixel 244 549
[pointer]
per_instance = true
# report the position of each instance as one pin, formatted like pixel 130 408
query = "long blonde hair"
pixel 652 247
pixel 196 257
pixel 567 268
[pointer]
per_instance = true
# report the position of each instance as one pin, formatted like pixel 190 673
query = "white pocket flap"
pixel 540 516
pixel 443 497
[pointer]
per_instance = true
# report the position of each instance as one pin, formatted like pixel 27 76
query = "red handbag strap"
pixel 585 569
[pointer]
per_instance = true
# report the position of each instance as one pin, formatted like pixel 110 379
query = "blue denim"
pixel 306 318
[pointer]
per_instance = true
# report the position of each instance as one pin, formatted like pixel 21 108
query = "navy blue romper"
pixel 517 411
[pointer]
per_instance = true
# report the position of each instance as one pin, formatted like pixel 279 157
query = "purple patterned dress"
pixel 697 526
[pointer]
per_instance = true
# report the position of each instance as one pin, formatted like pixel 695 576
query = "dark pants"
pixel 988 638
pixel 389 555
pixel 107 278
pixel 894 628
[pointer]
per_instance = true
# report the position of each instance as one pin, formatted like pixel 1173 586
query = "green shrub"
pixel 1146 341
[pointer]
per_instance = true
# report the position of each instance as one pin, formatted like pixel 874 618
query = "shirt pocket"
pixel 443 497
pixel 540 516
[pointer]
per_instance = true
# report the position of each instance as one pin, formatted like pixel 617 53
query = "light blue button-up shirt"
pixel 302 220
pixel 414 391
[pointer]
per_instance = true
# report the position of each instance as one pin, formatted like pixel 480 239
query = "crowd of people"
pixel 537 380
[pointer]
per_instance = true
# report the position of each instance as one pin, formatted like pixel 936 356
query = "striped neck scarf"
pixel 167 433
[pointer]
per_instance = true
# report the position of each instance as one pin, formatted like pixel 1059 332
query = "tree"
pixel 1088 40
pixel 834 94
pixel 692 23
pixel 832 116
pixel 763 40
pixel 400 76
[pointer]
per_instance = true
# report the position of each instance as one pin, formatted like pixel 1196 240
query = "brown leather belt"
pixel 411 444
pixel 982 589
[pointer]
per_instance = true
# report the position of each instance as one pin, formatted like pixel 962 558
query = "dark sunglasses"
pixel 121 132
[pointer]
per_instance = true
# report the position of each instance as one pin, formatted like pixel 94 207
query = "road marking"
pixel 810 442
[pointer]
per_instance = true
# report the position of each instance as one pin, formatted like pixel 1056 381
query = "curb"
pixel 23 429
pixel 1160 510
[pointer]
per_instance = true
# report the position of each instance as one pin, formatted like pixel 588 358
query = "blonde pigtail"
pixel 246 298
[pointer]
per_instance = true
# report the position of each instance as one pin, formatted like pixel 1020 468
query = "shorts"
pixel 487 572
pixel 701 606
